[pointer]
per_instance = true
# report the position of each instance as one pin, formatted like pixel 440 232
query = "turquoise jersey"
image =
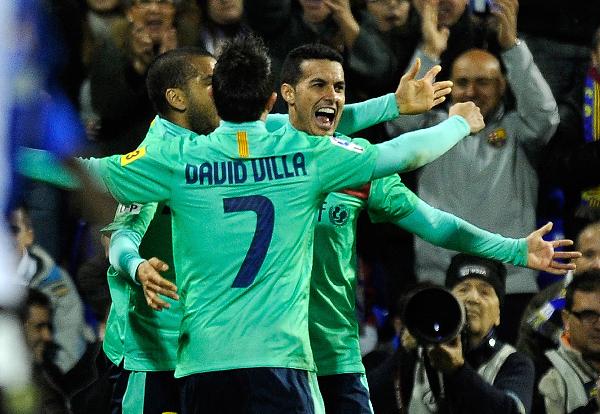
pixel 242 203
pixel 332 315
pixel 146 339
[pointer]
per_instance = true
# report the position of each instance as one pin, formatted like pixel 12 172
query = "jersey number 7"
pixel 265 215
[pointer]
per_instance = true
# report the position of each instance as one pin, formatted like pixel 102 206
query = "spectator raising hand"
pixel 506 15
pixel 435 38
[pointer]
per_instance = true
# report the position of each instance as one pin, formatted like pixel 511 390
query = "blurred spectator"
pixel 492 174
pixel 118 69
pixel 37 270
pixel 541 325
pixel 286 24
pixel 447 29
pixel 575 149
pixel 558 35
pixel 221 20
pixel 572 385
pixel 478 372
pixel 393 21
pixel 38 336
pixel 100 17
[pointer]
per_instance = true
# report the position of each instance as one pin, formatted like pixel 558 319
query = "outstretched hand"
pixel 542 256
pixel 154 284
pixel 415 96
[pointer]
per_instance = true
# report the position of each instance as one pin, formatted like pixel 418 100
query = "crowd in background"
pixel 536 160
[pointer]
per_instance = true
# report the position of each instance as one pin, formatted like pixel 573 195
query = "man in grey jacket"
pixel 489 179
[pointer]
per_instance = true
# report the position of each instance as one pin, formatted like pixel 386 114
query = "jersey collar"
pixel 258 127
pixel 165 127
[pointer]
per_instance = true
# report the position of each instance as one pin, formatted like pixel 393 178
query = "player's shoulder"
pixel 358 145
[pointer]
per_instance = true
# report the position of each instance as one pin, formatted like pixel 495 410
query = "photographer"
pixel 478 373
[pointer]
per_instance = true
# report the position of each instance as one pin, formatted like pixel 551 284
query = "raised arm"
pixel 448 231
pixel 414 149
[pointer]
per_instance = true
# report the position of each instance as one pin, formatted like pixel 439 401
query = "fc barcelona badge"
pixel 497 138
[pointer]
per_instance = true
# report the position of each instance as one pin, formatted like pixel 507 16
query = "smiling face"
pixel 481 305
pixel 316 102
pixel 477 77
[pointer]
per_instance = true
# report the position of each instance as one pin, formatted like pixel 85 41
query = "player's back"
pixel 242 202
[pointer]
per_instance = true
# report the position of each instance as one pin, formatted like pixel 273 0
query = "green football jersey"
pixel 333 321
pixel 144 338
pixel 242 203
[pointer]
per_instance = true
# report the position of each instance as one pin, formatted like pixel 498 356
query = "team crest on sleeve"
pixel 132 156
pixel 350 146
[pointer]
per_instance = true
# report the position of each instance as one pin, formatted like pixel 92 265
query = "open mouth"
pixel 325 117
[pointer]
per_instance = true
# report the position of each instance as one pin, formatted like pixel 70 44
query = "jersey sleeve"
pixel 361 115
pixel 414 149
pixel 136 217
pixel 128 229
pixel 142 176
pixel 446 230
pixel 390 200
pixel 344 163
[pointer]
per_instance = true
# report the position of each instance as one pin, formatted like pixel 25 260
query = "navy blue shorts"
pixel 144 392
pixel 345 394
pixel 248 390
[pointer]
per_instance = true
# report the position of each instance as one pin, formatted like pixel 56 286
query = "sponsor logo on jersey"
pixel 132 156
pixel 239 172
pixel 350 146
pixel 122 209
pixel 339 214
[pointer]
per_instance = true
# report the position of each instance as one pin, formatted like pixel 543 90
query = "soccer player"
pixel 309 78
pixel 143 341
pixel 242 203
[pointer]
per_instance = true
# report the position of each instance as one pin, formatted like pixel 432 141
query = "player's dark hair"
pixel 171 69
pixel 242 79
pixel 291 71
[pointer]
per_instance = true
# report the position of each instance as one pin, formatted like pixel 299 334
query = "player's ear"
pixel 176 99
pixel 271 102
pixel 288 93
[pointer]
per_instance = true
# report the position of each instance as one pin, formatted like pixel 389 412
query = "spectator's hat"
pixel 464 266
